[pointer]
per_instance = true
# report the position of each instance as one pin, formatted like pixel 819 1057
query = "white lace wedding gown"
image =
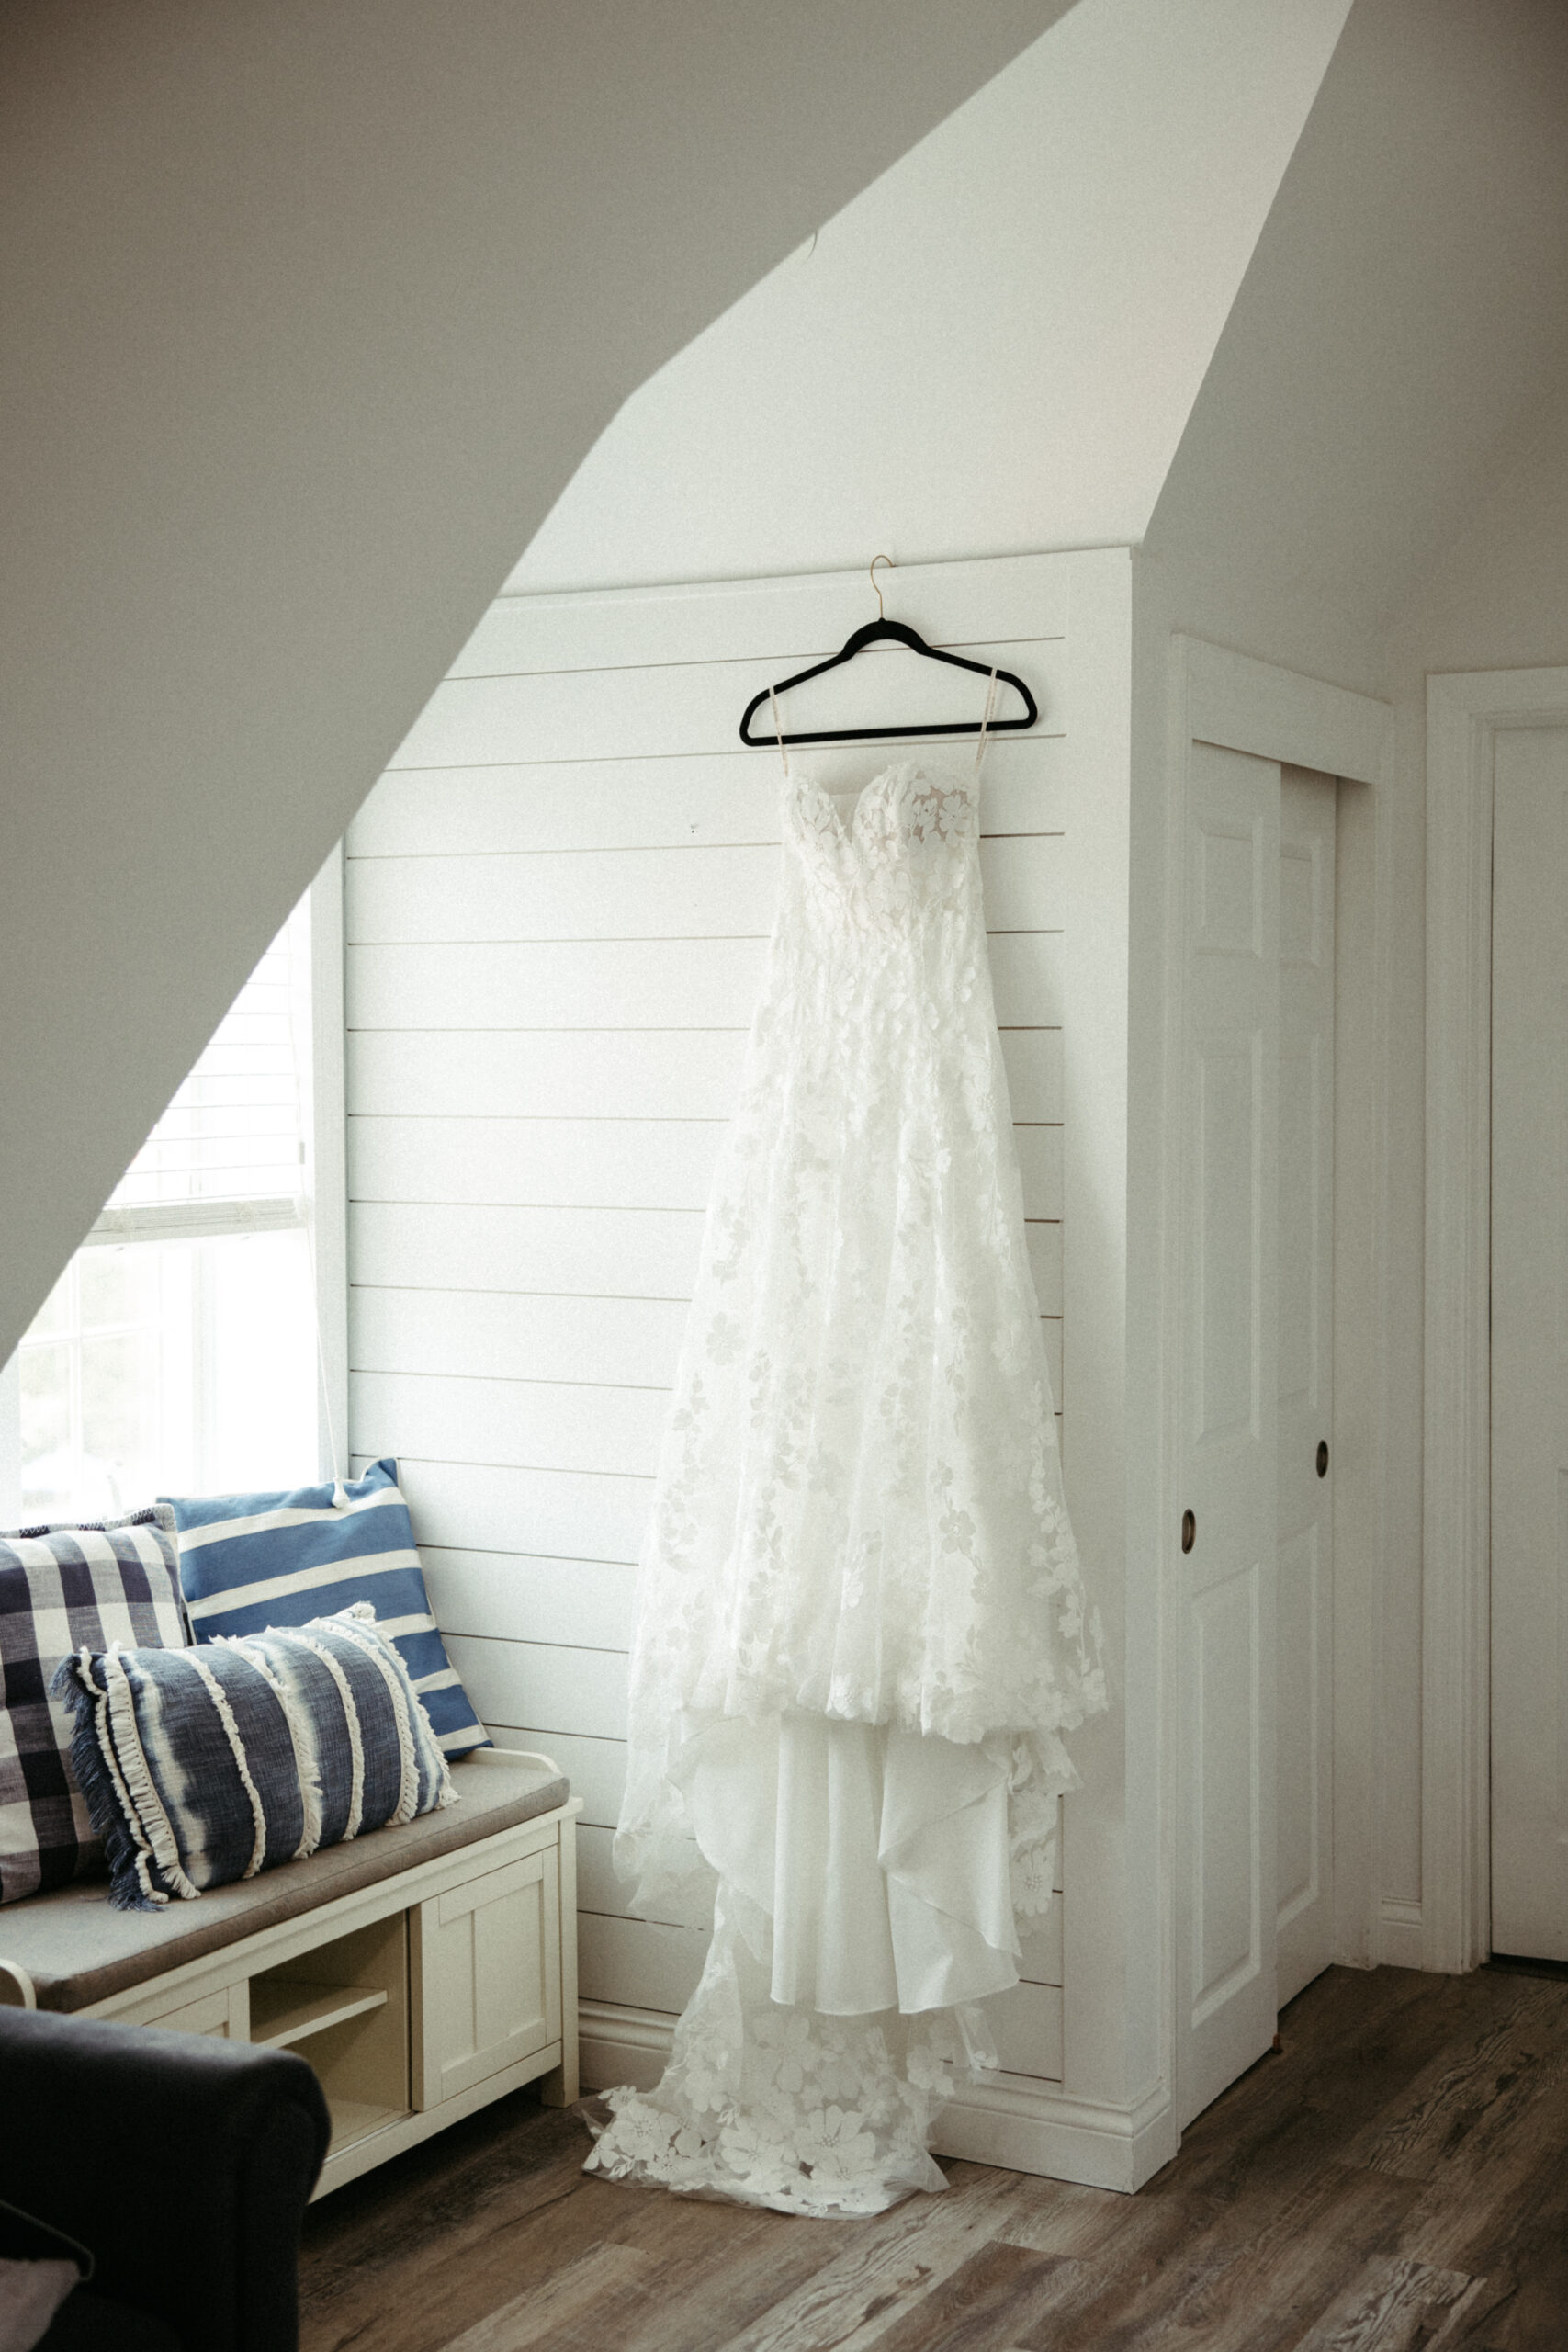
pixel 861 1622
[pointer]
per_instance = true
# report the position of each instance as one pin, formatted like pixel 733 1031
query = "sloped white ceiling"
pixel 1403 322
pixel 995 348
pixel 311 309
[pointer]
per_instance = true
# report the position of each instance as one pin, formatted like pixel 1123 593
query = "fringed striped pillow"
pixel 204 1765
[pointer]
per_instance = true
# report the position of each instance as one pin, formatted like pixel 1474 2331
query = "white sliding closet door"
pixel 1255 1381
pixel 1259 755
pixel 1227 1457
pixel 1530 1344
pixel 1303 1719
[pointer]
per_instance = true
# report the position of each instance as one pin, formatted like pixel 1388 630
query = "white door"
pixel 1255 1885
pixel 1227 1450
pixel 1304 1683
pixel 1530 1344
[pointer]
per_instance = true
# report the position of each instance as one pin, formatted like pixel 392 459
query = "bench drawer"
pixel 486 1976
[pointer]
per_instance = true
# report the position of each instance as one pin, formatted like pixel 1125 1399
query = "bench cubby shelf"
pixel 417 1998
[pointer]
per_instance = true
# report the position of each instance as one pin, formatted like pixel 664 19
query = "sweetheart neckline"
pixel 799 782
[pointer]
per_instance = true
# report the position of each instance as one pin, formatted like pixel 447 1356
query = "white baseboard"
pixel 1028 2126
pixel 1011 2120
pixel 621 2045
pixel 1401 1937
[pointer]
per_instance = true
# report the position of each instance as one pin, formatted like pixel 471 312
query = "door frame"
pixel 1466 710
pixel 1240 704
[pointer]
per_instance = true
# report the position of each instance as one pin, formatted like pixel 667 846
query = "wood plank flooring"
pixel 1395 2180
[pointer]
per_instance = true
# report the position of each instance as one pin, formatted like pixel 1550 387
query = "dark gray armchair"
pixel 182 2162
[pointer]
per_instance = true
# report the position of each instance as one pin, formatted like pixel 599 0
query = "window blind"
pixel 228 1154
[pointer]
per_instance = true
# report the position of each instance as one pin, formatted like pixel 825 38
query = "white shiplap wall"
pixel 557 900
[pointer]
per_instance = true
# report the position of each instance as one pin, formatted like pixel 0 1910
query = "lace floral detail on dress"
pixel 780 2107
pixel 858 1521
pixel 859 1504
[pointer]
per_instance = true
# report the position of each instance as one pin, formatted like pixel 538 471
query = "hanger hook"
pixel 875 561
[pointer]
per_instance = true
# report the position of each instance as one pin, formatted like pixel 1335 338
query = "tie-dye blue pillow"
pixel 205 1765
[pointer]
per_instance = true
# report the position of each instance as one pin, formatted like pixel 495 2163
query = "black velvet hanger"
pixel 884 631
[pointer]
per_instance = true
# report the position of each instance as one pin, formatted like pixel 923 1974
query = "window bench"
pixel 423 1970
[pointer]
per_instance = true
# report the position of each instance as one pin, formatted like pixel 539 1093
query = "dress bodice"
pixel 907 850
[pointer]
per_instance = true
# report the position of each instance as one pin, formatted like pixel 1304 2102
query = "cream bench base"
pixel 418 1998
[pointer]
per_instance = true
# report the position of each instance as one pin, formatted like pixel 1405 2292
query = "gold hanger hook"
pixel 875 561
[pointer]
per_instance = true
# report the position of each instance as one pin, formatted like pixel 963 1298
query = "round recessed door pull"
pixel 1323 1457
pixel 1189 1530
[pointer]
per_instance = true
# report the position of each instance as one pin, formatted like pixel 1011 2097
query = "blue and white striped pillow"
pixel 250 1561
pixel 205 1765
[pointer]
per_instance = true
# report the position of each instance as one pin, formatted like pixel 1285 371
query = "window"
pixel 178 1352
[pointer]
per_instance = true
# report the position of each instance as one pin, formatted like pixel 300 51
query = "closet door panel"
pixel 1229 1403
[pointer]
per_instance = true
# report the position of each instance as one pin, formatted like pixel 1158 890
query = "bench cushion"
pixel 78 1951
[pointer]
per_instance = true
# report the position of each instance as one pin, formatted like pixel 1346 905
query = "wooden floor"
pixel 1396 2181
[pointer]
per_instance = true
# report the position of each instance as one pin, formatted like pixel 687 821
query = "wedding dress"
pixel 862 1627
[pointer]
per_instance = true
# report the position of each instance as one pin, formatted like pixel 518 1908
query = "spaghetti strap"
pixel 778 729
pixel 985 723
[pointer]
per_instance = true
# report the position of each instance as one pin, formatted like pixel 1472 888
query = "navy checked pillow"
pixel 62 1587
pixel 210 1764
pixel 249 1561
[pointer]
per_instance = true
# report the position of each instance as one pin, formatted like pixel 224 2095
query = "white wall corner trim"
pixel 1465 712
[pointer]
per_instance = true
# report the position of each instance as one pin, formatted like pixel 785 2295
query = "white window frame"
pixel 322 1209
pixel 327 1165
